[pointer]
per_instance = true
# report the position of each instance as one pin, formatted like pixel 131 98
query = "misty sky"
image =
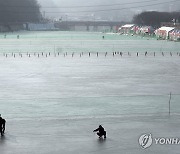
pixel 118 10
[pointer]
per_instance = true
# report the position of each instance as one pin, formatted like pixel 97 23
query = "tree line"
pixel 155 18
pixel 19 11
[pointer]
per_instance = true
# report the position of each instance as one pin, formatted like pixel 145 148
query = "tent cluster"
pixel 134 29
pixel 170 33
pixel 174 35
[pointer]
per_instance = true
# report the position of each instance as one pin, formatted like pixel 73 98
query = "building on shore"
pixel 170 24
pixel 40 27
pixel 11 27
pixel 163 32
pixel 126 29
pixel 146 30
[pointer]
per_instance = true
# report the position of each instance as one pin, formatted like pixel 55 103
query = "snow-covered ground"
pixel 52 104
pixel 58 41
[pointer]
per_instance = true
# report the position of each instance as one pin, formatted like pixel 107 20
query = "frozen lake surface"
pixel 52 104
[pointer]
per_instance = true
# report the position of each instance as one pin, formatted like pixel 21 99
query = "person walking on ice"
pixel 100 132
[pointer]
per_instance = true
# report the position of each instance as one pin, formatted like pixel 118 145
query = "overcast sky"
pixel 104 9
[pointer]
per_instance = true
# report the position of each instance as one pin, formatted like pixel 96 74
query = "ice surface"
pixel 75 135
pixel 52 104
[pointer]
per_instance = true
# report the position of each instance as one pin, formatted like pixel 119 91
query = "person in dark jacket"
pixel 100 131
pixel 2 125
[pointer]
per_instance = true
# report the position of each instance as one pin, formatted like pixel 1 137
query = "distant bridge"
pixel 67 25
pixel 87 24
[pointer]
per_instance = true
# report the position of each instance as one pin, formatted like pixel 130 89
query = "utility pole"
pixel 170 104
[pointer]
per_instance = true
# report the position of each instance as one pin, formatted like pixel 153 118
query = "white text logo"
pixel 145 141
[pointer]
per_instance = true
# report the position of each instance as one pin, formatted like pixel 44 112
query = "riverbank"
pixel 63 42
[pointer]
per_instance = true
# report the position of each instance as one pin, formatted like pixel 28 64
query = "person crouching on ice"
pixel 100 131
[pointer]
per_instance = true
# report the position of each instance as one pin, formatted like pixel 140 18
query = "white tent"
pixel 127 26
pixel 165 30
